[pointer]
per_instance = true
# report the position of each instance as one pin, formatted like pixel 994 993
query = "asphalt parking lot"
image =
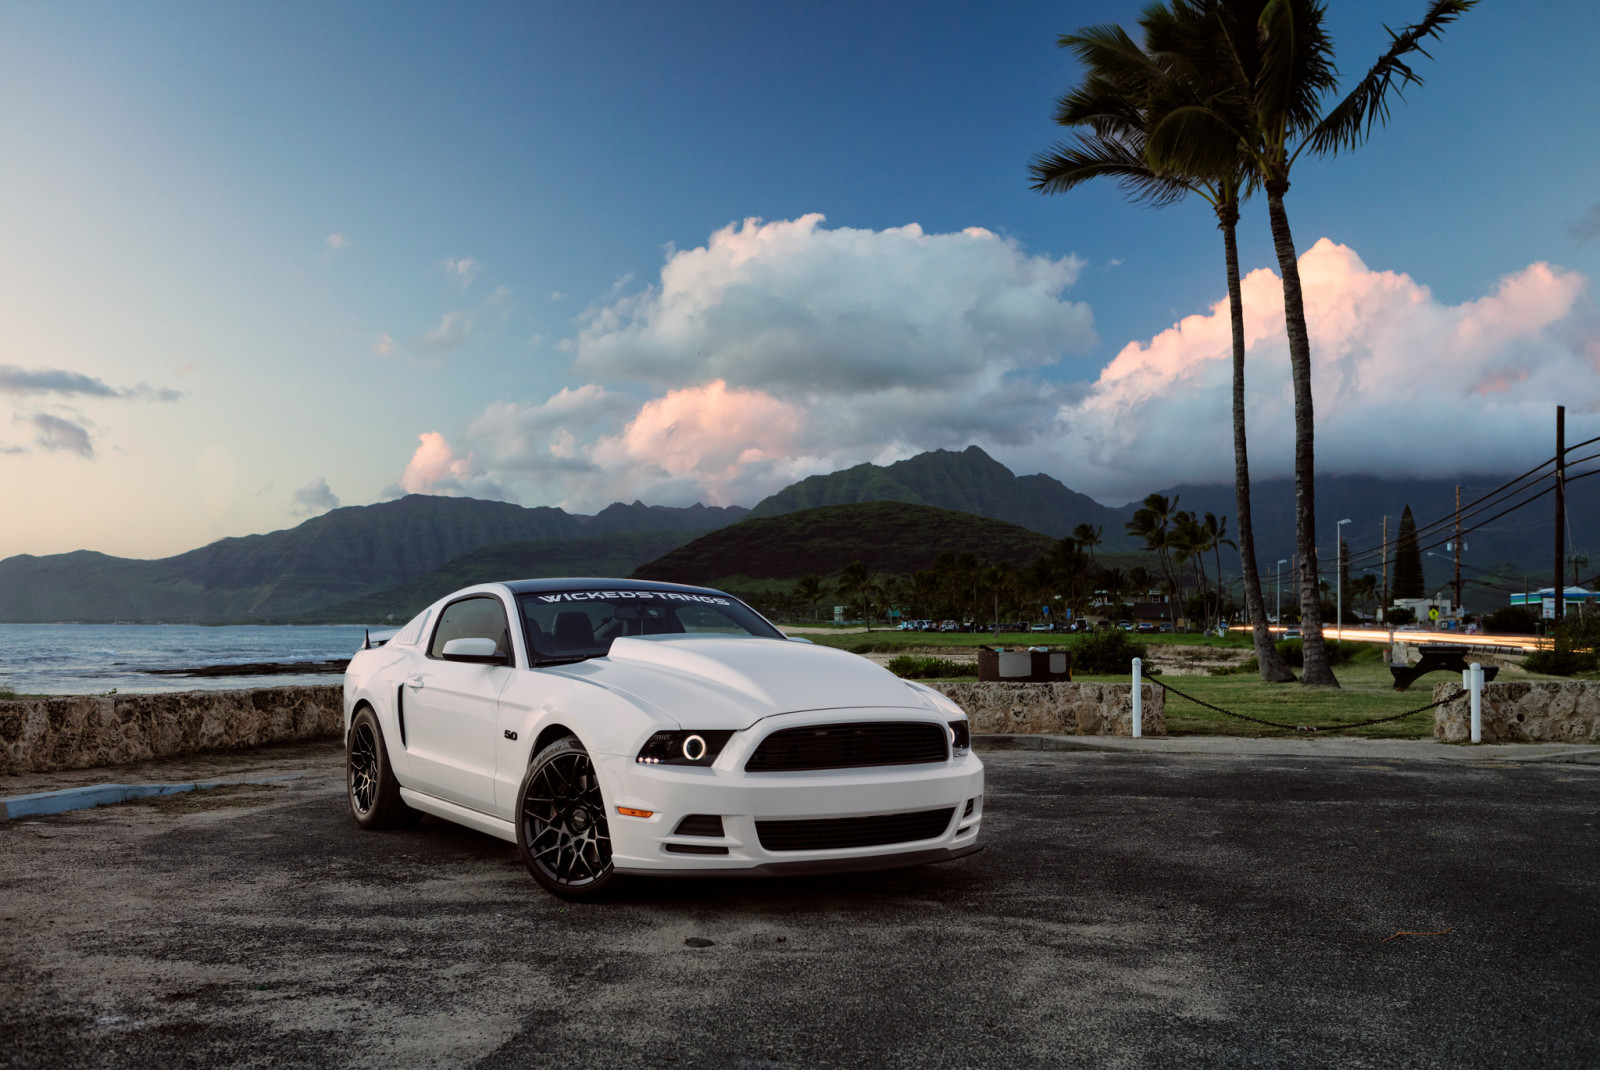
pixel 1130 910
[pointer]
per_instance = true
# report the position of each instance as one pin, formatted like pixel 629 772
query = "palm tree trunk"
pixel 1273 670
pixel 1317 670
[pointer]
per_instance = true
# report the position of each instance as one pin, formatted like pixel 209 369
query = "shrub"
pixel 1110 653
pixel 911 667
pixel 1577 641
pixel 1509 620
pixel 1399 616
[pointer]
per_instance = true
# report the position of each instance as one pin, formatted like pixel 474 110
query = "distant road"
pixel 1382 635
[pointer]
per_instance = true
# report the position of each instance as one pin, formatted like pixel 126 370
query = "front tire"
pixel 370 783
pixel 562 829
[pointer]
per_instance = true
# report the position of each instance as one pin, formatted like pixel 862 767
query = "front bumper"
pixel 740 799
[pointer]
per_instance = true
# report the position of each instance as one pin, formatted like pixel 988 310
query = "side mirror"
pixel 478 650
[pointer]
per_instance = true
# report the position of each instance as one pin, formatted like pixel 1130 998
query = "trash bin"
pixel 1032 665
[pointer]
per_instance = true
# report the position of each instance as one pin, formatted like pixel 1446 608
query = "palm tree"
pixel 1154 522
pixel 1112 105
pixel 1264 67
pixel 1088 537
pixel 808 589
pixel 855 583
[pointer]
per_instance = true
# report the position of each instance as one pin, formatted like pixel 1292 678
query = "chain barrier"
pixel 1298 727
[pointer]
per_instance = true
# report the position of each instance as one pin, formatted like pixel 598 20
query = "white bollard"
pixel 1138 699
pixel 1477 702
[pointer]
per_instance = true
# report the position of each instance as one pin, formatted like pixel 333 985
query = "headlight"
pixel 960 737
pixel 683 748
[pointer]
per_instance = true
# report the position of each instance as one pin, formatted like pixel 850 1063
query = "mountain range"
pixel 368 562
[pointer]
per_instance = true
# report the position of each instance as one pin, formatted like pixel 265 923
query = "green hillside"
pixel 969 481
pixel 301 572
pixel 600 555
pixel 891 537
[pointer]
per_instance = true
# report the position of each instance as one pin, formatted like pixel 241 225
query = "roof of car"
pixel 590 583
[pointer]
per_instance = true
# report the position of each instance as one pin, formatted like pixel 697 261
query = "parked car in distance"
pixel 612 727
pixel 1125 625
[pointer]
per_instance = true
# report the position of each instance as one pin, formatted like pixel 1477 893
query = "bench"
pixel 1436 657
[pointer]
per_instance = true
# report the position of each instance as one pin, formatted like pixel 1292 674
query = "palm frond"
pixel 1347 124
pixel 1070 164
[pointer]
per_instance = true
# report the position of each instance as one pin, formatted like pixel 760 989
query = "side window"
pixel 703 620
pixel 481 617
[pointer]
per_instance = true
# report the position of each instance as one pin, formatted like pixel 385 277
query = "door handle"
pixel 416 683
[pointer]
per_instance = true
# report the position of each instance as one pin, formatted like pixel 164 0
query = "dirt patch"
pixel 1175 660
pixel 224 797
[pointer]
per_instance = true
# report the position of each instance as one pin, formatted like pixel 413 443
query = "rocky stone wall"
pixel 39 735
pixel 1543 711
pixel 1070 709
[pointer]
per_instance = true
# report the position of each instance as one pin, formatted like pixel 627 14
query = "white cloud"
pixel 462 270
pixel 21 382
pixel 1402 383
pixel 798 309
pixel 56 435
pixel 337 242
pixel 313 498
pixel 451 333
pixel 776 351
pixel 436 468
pixel 557 295
pixel 383 345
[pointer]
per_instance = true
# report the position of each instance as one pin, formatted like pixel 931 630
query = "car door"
pixel 452 720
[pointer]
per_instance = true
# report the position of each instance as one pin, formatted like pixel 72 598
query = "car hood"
pixel 712 682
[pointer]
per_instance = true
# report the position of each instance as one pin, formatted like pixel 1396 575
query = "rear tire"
pixel 563 833
pixel 370 783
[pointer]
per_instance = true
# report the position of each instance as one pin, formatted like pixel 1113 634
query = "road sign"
pixel 1433 614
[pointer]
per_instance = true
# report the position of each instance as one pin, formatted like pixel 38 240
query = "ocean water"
pixel 89 659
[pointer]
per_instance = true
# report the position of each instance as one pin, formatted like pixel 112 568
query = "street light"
pixel 1338 537
pixel 1277 590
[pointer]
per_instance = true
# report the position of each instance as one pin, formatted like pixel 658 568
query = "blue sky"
pixel 278 243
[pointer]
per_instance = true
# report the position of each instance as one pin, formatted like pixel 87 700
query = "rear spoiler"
pixel 369 643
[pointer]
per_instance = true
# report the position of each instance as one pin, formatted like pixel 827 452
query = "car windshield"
pixel 567 625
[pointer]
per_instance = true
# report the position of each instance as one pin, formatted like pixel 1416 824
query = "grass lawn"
pixel 892 642
pixel 1365 690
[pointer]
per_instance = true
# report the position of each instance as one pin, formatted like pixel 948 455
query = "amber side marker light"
pixel 628 811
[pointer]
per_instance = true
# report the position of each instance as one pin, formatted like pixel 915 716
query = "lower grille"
pixel 700 825
pixel 836 833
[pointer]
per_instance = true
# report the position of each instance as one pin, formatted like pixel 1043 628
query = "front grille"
pixel 850 746
pixel 834 833
pixel 699 825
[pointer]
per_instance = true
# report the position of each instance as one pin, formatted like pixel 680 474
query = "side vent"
pixel 400 712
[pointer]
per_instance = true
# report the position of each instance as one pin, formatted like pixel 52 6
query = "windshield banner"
pixel 647 596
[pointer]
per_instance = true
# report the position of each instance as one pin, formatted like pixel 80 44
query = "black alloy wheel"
pixel 370 783
pixel 562 827
pixel 363 769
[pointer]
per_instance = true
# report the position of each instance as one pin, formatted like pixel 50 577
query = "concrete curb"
pixel 1236 747
pixel 42 803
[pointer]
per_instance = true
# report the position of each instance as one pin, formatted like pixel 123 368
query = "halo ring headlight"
pixel 694 748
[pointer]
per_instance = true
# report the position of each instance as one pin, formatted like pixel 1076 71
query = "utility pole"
pixel 1458 551
pixel 1561 514
pixel 1384 604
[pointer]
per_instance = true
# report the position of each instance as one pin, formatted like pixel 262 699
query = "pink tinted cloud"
pixel 1396 376
pixel 712 434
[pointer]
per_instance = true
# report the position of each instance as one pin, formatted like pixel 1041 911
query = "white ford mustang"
pixel 610 727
